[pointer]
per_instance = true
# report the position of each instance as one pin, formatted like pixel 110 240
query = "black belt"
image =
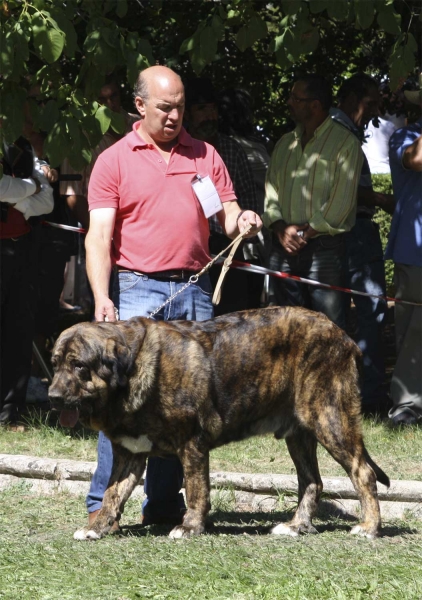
pixel 171 274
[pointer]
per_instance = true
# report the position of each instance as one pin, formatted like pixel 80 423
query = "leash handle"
pixel 226 265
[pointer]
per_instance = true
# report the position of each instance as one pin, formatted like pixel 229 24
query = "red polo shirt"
pixel 160 224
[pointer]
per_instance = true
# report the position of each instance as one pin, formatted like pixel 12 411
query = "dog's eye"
pixel 80 367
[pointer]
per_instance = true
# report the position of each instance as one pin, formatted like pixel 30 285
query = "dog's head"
pixel 91 363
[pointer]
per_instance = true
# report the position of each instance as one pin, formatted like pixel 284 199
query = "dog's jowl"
pixel 157 388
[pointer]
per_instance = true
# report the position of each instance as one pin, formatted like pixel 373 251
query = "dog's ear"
pixel 116 363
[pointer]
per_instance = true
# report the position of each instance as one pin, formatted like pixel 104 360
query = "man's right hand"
pixel 289 237
pixel 105 310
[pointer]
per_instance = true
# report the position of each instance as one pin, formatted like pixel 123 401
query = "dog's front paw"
pixel 181 531
pixel 293 530
pixel 86 534
pixel 364 532
pixel 283 529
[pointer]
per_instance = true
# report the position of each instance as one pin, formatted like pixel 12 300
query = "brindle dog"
pixel 184 388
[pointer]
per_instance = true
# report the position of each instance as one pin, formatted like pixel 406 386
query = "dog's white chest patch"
pixel 136 445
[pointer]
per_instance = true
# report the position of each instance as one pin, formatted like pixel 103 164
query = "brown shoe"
pixel 92 516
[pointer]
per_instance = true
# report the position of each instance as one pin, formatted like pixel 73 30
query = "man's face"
pixel 162 113
pixel 367 108
pixel 110 97
pixel 203 121
pixel 299 103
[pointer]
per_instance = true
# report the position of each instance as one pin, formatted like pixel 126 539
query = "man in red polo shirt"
pixel 148 220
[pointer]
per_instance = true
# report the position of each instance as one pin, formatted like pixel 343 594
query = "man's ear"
pixel 140 106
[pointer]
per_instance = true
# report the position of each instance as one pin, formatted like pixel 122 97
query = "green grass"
pixel 237 559
pixel 397 451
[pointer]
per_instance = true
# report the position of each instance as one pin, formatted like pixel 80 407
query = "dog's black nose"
pixel 56 397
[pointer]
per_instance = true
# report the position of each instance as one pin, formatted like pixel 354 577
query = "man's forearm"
pixel 371 199
pixel 78 205
pixel 98 267
pixel 13 189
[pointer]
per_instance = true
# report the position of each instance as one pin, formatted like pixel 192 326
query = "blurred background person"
pixel 201 119
pixel 25 195
pixel 358 102
pixel 236 119
pixel 405 248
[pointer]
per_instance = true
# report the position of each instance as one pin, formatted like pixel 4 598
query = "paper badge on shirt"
pixel 207 195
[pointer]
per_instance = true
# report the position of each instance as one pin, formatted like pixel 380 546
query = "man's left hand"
pixel 248 217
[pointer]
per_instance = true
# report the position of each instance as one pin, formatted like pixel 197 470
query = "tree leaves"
pixel 202 45
pixel 250 33
pixel 70 47
pixel 339 9
pixel 71 39
pixel 103 116
pixel 49 40
pixel 365 11
pixel 402 59
pixel 12 102
pixel 388 20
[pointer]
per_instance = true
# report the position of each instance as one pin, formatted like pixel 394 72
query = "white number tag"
pixel 207 195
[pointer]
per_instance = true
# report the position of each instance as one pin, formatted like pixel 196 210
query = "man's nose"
pixel 174 114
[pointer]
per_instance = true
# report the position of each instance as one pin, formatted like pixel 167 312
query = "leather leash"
pixel 226 266
pixel 194 278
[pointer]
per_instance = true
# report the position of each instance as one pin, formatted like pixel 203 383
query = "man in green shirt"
pixel 311 191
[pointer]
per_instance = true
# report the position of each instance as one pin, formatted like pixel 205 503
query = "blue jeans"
pixel 322 260
pixel 366 273
pixel 138 295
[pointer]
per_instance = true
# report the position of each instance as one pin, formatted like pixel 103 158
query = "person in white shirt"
pixel 24 194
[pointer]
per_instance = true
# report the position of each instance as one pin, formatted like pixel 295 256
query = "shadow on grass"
pixel 258 523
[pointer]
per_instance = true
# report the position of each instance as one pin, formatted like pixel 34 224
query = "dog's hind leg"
pixel 197 484
pixel 127 471
pixel 302 446
pixel 345 445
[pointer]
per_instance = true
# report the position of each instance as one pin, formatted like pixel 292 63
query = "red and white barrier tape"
pixel 243 266
pixel 66 227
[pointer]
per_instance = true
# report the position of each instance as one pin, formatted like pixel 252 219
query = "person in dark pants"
pixel 405 249
pixel 24 194
pixel 358 103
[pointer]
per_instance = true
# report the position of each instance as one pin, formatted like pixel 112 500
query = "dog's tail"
pixel 379 473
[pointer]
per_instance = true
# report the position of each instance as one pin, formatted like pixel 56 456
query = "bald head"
pixel 161 76
pixel 160 100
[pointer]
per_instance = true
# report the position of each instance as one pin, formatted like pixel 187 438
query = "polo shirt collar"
pixel 340 116
pixel 135 141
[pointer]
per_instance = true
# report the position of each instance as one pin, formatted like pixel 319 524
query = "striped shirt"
pixel 317 184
